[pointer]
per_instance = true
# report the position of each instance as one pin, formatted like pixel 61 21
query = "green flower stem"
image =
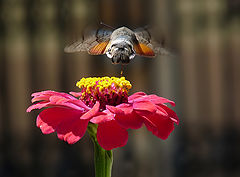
pixel 103 159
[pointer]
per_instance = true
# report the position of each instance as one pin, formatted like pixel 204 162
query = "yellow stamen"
pixel 102 83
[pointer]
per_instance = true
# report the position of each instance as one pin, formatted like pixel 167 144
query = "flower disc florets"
pixel 107 90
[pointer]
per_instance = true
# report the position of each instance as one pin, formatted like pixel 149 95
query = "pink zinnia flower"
pixel 105 102
pixel 65 115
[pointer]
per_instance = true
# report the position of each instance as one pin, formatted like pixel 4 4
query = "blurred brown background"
pixel 203 79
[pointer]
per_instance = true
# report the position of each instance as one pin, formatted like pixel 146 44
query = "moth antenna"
pixel 104 24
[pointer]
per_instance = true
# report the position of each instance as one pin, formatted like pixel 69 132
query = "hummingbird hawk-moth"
pixel 120 45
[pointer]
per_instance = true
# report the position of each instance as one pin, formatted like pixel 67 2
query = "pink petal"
pixel 65 121
pixel 159 126
pixel 133 120
pixel 144 106
pixel 50 118
pixel 72 130
pixel 155 99
pixel 102 117
pixel 135 96
pixel 110 135
pixel 115 110
pixel 48 93
pixel 92 112
pixel 125 108
pixel 45 128
pixel 40 98
pixel 76 94
pixel 161 111
pixel 150 125
pixel 56 100
pixel 70 103
pixel 125 116
pixel 171 114
pixel 79 103
pixel 37 106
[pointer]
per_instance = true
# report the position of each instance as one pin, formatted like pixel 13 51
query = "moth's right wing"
pixel 94 43
pixel 147 46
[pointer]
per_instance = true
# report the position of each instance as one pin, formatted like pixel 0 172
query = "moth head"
pixel 121 52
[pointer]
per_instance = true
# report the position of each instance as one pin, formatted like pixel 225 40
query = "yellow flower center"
pixel 106 90
pixel 103 83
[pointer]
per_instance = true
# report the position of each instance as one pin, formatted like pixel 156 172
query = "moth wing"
pixel 143 50
pixel 98 49
pixel 146 45
pixel 94 43
pixel 77 46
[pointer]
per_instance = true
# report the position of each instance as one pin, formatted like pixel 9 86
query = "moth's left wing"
pixel 94 42
pixel 146 45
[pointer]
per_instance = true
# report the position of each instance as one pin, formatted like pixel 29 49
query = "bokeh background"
pixel 203 78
